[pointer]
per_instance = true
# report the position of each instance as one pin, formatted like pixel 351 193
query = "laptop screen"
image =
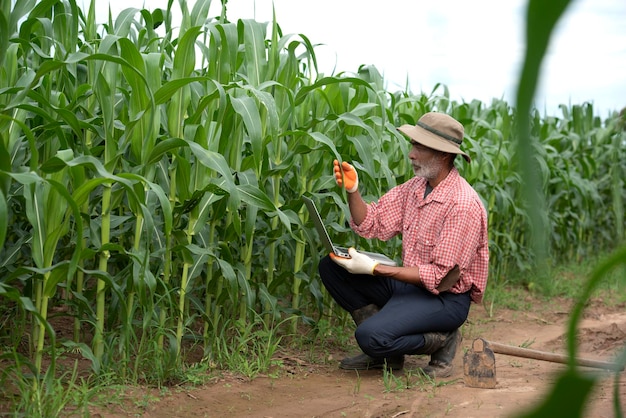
pixel 319 225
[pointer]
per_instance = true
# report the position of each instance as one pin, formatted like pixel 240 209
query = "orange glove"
pixel 346 176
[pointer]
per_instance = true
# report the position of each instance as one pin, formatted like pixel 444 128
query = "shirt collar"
pixel 441 191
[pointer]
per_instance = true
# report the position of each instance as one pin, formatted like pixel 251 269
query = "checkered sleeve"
pixel 385 217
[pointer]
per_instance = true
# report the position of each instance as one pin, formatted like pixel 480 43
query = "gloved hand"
pixel 357 264
pixel 348 179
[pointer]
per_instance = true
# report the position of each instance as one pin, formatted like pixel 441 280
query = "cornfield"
pixel 151 179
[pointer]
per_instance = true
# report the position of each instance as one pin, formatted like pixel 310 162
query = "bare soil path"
pixel 304 389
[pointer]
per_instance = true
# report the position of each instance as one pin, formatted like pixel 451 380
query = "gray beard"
pixel 426 171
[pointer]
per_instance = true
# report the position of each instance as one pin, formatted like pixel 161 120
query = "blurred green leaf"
pixel 568 397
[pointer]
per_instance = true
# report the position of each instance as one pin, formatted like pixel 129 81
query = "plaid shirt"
pixel 447 228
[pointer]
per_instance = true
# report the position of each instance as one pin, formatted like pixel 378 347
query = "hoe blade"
pixel 479 365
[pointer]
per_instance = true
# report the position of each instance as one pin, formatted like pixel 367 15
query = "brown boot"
pixel 442 347
pixel 361 314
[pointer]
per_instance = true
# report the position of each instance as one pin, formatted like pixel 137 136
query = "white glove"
pixel 357 264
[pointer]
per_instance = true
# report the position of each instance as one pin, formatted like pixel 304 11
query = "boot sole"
pixel 372 367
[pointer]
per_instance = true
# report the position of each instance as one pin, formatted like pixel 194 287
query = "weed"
pixel 527 343
pixel 357 385
pixel 51 396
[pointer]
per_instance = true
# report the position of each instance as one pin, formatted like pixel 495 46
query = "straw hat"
pixel 437 131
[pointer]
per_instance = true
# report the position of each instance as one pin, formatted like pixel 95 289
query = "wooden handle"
pixel 553 357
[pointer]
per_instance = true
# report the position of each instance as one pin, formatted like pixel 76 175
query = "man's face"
pixel 426 162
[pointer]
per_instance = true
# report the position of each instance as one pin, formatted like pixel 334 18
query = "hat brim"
pixel 431 140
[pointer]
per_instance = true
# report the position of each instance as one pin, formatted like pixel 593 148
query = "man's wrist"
pixel 376 270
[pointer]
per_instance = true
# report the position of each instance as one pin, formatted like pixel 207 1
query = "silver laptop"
pixel 339 251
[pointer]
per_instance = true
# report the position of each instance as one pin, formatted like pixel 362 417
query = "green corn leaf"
pixel 214 101
pixel 222 52
pixel 4 35
pixel 27 179
pixel 616 259
pixel 364 150
pixel 254 196
pixel 327 143
pixel 154 76
pixel 4 216
pixel 271 125
pixel 254 46
pixel 540 21
pixel 109 281
pixel 5 166
pixel 247 108
pixel 164 147
pixel 567 398
pixel 165 206
pixel 62 190
pixel 228 272
pixel 124 21
pixel 212 194
pixel 140 98
pixel 273 52
pixel 183 179
pixel 167 90
pixel 244 290
pixel 81 193
pixel 22 87
pixel 58 274
pixel 200 257
pixel 328 81
pixel 27 305
pixel 200 12
pixel 58 162
pixel 19 10
pixel 33 195
pixel 143 279
pixel 217 163
pixel 185 57
pixel 42 9
pixel 35 271
pixel 55 220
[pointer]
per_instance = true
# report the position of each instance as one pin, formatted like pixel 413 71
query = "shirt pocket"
pixel 425 242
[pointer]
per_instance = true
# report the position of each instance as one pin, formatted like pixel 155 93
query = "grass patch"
pixel 562 283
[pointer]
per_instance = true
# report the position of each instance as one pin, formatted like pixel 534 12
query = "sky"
pixel 474 47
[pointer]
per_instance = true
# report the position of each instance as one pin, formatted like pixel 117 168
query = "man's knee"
pixel 373 342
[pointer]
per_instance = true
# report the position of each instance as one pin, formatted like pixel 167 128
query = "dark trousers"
pixel 406 311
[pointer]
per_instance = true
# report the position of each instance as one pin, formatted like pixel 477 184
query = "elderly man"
pixel 404 310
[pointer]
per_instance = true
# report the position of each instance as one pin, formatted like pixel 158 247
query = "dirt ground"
pixel 320 389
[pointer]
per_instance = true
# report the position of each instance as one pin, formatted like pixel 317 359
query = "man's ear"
pixel 447 158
